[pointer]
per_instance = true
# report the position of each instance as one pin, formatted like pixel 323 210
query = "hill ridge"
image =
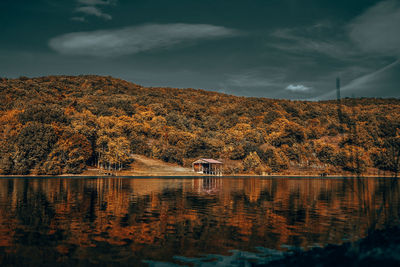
pixel 62 124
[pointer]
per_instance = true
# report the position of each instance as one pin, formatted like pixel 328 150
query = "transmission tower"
pixel 339 105
pixel 338 89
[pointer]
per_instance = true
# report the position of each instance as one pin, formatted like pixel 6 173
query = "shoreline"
pixel 195 176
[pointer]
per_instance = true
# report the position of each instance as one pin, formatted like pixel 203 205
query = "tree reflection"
pixel 124 221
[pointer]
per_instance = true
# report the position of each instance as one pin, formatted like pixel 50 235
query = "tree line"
pixel 62 124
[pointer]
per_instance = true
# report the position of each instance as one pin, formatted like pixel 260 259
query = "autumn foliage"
pixel 62 124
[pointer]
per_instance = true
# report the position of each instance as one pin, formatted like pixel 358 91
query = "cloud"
pixel 313 39
pixel 297 88
pixel 377 29
pixel 252 79
pixel 359 82
pixel 374 31
pixel 264 82
pixel 92 10
pixel 80 19
pixel 132 40
pixel 362 82
pixel 90 7
pixel 95 2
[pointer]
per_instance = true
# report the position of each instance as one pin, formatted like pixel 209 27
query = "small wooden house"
pixel 207 166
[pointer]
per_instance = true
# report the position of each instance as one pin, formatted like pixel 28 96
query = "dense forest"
pixel 62 124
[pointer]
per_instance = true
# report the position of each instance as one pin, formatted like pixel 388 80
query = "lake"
pixel 196 221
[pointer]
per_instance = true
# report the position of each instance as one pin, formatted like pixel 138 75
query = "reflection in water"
pixel 132 221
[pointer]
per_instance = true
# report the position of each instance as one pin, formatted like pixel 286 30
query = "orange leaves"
pixel 117 118
pixel 252 162
pixel 9 123
pixel 244 132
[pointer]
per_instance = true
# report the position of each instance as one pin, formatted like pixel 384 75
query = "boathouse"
pixel 207 166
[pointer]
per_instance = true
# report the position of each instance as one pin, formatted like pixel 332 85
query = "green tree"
pixel 33 144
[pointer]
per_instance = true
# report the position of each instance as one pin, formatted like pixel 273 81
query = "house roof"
pixel 208 161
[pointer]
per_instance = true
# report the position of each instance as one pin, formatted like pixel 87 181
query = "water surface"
pixel 140 221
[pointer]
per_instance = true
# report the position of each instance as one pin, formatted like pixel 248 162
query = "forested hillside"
pixel 62 124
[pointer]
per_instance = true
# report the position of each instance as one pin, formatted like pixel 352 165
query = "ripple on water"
pixel 200 221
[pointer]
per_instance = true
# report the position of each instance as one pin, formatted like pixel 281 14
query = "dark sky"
pixel 271 48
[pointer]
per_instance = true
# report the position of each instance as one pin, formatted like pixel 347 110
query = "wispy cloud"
pixel 95 11
pixel 131 40
pixel 377 30
pixel 252 79
pixel 92 8
pixel 312 39
pixel 271 77
pixel 361 82
pixel 297 88
pixel 368 40
pixel 270 81
pixel 80 19
pixel 96 2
